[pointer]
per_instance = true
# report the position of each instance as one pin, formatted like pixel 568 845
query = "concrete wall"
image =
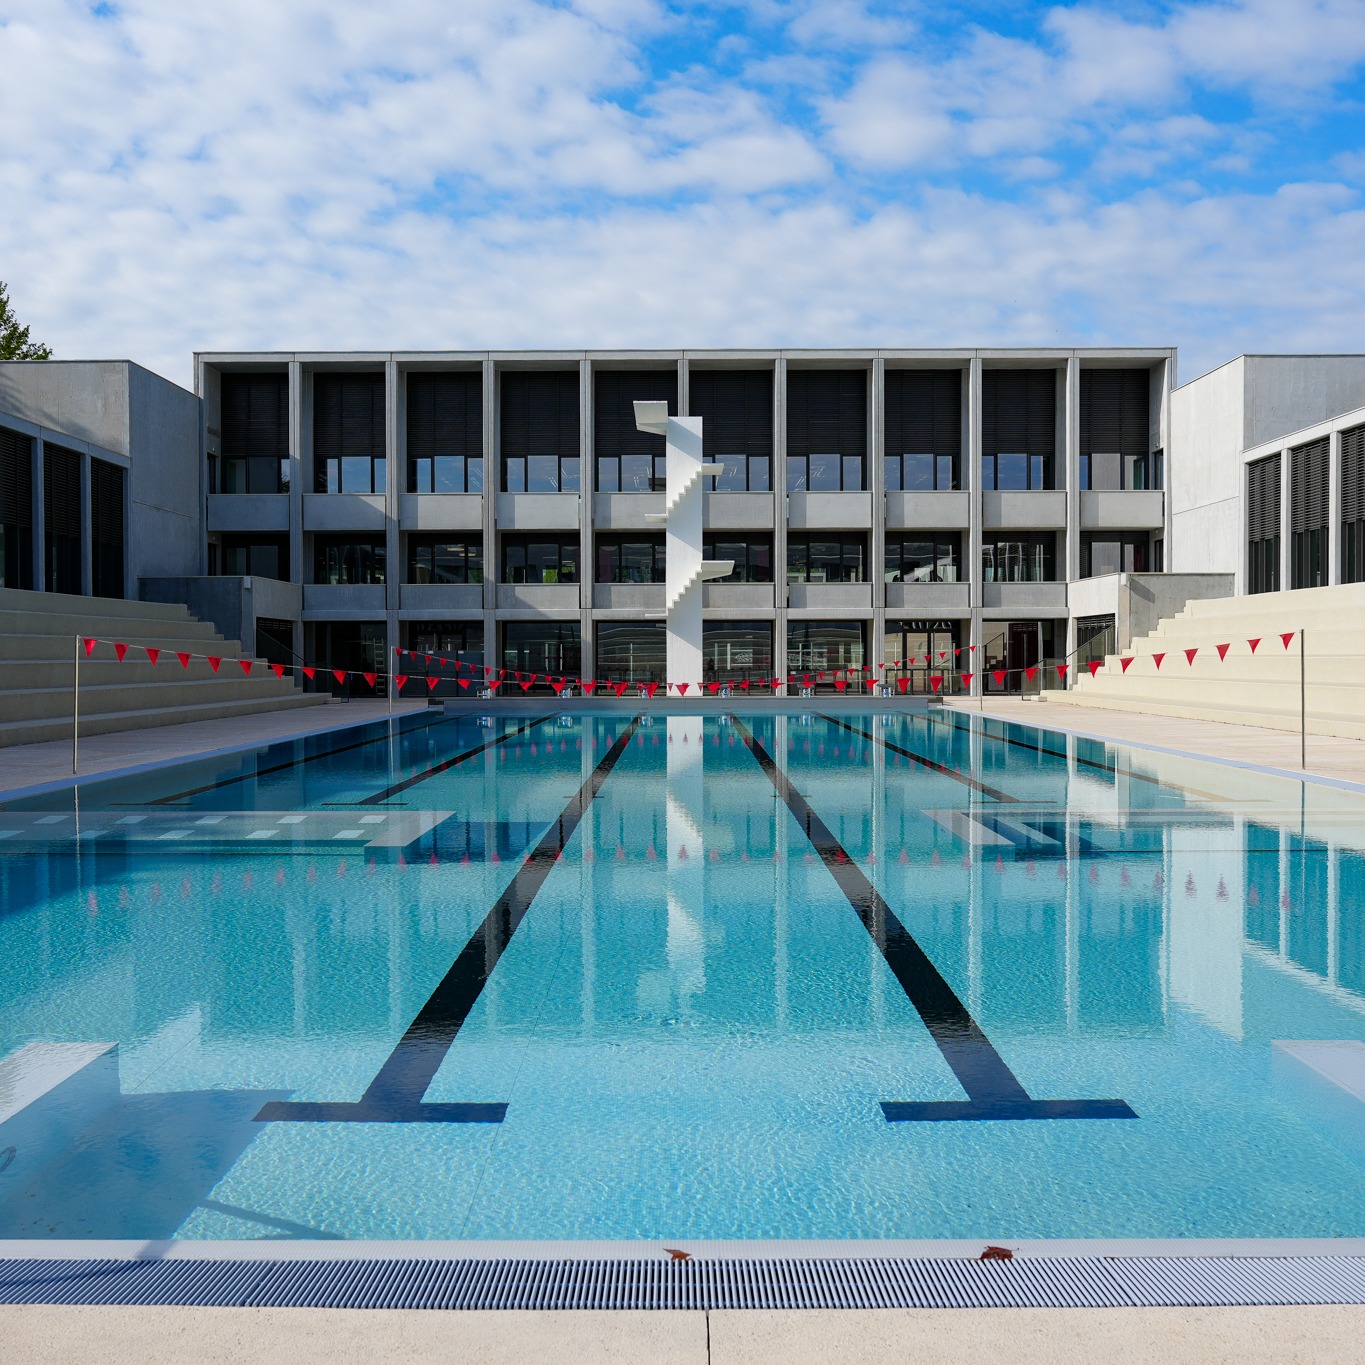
pixel 87 399
pixel 1285 393
pixel 231 604
pixel 1138 602
pixel 1204 472
pixel 165 532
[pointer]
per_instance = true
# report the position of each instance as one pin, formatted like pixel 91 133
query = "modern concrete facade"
pixel 1014 482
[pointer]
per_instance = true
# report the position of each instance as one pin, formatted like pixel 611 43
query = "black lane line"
pixel 994 1091
pixel 965 778
pixel 446 764
pixel 395 1094
pixel 280 767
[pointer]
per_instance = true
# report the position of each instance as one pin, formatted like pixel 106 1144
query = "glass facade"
pixel 546 558
pixel 825 646
pixel 752 556
pixel 630 559
pixel 259 556
pixel 930 557
pixel 1114 552
pixel 343 560
pixel 444 559
pixel 630 651
pixel 546 648
pixel 1019 559
pixel 829 557
pixel 732 651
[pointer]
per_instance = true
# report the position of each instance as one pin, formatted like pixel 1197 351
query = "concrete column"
pixel 39 519
pixel 300 440
pixel 1286 553
pixel 876 447
pixel 587 482
pixel 780 521
pixel 395 451
pixel 1071 446
pixel 1334 509
pixel 87 528
pixel 971 481
pixel 492 481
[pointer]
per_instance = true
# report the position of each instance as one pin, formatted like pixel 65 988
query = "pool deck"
pixel 1330 758
pixel 303 1336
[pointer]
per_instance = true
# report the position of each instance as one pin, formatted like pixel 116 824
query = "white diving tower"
pixel 686 569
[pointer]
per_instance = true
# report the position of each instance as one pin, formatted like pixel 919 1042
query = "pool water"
pixel 917 975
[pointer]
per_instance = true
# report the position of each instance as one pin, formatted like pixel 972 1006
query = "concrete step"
pixel 30 674
pixel 128 629
pixel 58 604
pixel 1341 725
pixel 62 648
pixel 38 730
pixel 36 702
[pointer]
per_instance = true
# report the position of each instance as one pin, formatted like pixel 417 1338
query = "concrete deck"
pixel 25 766
pixel 1025 1336
pixel 1340 760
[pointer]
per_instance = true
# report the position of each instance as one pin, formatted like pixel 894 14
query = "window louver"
pixel 16 479
pixel 827 412
pixel 924 412
pixel 736 408
pixel 348 419
pixel 255 415
pixel 62 518
pixel 1115 412
pixel 1263 498
pixel 540 414
pixel 614 395
pixel 445 415
pixel 1308 485
pixel 106 529
pixel 1353 474
pixel 1019 412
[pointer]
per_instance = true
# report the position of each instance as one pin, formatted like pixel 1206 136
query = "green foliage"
pixel 14 342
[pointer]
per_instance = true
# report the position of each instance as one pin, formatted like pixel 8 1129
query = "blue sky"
pixel 455 173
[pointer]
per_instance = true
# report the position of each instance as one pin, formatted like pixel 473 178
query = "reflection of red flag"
pixel 152 654
pixel 370 678
pixel 277 670
pixel 1189 655
pixel 1222 651
pixel 1156 659
pixel 89 645
pixel 650 689
pixel 1253 644
pixel 902 683
pixel 214 661
pixel 399 679
pixel 998 676
pixel 121 650
pixel 1124 663
pixel 340 675
pixel 1285 638
pixel 1094 666
pixel 682 688
pixel 1061 670
pixel 936 681
pixel 245 666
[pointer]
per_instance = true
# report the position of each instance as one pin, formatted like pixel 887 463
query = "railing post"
pixel 76 707
pixel 1303 703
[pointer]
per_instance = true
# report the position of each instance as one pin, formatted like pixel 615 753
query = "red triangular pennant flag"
pixel 184 659
pixel 1123 663
pixel 526 686
pixel 121 650
pixel 777 682
pixel 620 688
pixel 464 683
pixel 1222 651
pixel 152 654
pixel 245 666
pixel 650 689
pixel 277 670
pixel 902 683
pixel 1156 659
pixel 340 674
pixel 89 645
pixel 1285 639
pixel 308 672
pixel 431 683
pixel 998 676
pixel 841 683
pixel 713 688
pixel 494 684
pixel 1253 644
pixel 745 685
pixel 972 648
pixel 587 684
pixel 1061 670
pixel 967 679
pixel 558 685
pixel 936 681
pixel 370 678
pixel 1094 666
pixel 682 688
pixel 1189 655
pixel 1031 673
pixel 214 661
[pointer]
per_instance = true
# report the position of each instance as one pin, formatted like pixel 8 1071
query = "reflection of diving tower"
pixel 686 570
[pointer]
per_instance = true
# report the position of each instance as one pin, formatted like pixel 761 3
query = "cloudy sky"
pixel 473 173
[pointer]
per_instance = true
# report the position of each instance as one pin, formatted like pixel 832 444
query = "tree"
pixel 14 342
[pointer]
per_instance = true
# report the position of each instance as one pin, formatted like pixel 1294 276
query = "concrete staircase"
pixel 1260 689
pixel 37 643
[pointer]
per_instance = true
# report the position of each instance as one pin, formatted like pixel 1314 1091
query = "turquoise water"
pixel 694 1011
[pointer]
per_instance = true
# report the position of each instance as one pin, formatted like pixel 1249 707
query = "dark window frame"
pixel 349 561
pixel 754 563
pixel 1000 566
pixel 736 408
pixel 463 568
pixel 540 408
pixel 519 546
pixel 851 564
pixel 944 546
pixel 445 431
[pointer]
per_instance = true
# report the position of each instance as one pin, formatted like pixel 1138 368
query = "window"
pixel 1353 505
pixel 63 525
pixel 445 432
pixel 1018 429
pixel 736 408
pixel 540 432
pixel 1113 552
pixel 1308 513
pixel 348 433
pixel 629 460
pixel 1158 555
pixel 107 483
pixel 458 640
pixel 359 647
pixel 1263 525
pixel 630 559
pixel 923 432
pixel 734 650
pixel 341 560
pixel 546 648
pixel 822 646
pixel 440 559
pixel 827 558
pixel 752 556
pixel 258 556
pixel 630 651
pixel 1019 559
pixel 929 558
pixel 16 510
pixel 1115 422
pixel 542 558
pixel 254 416
pixel 826 430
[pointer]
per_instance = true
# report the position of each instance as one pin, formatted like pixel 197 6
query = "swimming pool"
pixel 915 975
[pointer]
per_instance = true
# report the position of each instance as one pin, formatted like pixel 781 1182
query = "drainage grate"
pixel 1039 1282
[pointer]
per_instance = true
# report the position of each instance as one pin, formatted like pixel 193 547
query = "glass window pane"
pixel 824 473
pixel 796 474
pixel 449 474
pixel 568 475
pixel 893 473
pixel 542 474
pixel 945 478
pixel 473 474
pixel 609 475
pixel 636 473
pixel 760 474
pixel 1038 472
pixel 1106 471
pixel 919 472
pixel 1011 472
pixel 853 472
pixel 515 474
pixel 355 474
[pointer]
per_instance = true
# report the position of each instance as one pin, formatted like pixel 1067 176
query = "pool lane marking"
pixel 283 767
pixel 398 788
pixel 993 1090
pixel 395 1094
pixel 967 781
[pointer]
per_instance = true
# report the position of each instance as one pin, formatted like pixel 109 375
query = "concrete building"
pixel 502 507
